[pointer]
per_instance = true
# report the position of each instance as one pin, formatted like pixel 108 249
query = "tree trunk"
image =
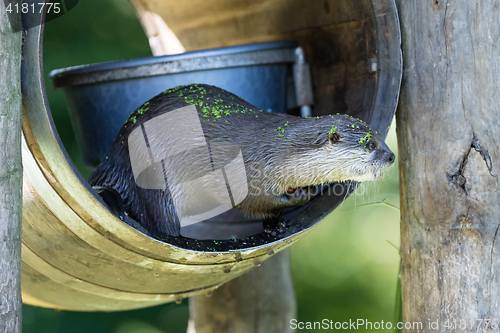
pixel 10 176
pixel 448 124
pixel 261 300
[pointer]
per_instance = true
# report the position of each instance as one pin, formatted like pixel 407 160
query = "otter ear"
pixel 334 137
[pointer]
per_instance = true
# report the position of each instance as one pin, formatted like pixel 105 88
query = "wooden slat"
pixel 48 293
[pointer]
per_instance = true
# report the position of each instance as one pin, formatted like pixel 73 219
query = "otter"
pixel 282 156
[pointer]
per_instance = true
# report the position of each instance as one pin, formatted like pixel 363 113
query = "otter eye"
pixel 371 146
pixel 334 137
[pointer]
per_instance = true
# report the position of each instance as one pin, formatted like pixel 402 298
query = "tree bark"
pixel 448 125
pixel 262 300
pixel 10 176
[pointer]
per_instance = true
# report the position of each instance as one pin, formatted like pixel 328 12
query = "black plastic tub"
pixel 101 97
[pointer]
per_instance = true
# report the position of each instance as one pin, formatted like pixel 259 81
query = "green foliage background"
pixel 345 269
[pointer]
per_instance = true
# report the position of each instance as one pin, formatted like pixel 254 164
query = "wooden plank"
pixel 204 24
pixel 338 38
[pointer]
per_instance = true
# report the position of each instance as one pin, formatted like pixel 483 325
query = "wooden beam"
pixel 448 124
pixel 262 300
pixel 11 173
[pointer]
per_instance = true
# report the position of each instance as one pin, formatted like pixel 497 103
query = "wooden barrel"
pixel 78 256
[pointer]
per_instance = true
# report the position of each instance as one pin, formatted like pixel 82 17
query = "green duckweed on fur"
pixel 364 140
pixel 214 109
pixel 281 131
pixel 208 107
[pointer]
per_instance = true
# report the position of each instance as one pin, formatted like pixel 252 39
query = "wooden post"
pixel 448 125
pixel 261 300
pixel 10 176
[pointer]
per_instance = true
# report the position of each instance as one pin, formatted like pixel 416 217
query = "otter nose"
pixel 391 157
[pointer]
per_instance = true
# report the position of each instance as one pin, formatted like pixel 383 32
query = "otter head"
pixel 336 148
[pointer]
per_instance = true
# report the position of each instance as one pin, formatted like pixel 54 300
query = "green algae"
pixel 281 131
pixel 364 140
pixel 214 108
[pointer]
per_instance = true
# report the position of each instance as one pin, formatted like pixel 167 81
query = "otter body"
pixel 283 155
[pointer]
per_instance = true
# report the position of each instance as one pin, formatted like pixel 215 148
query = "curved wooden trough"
pixel 78 256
